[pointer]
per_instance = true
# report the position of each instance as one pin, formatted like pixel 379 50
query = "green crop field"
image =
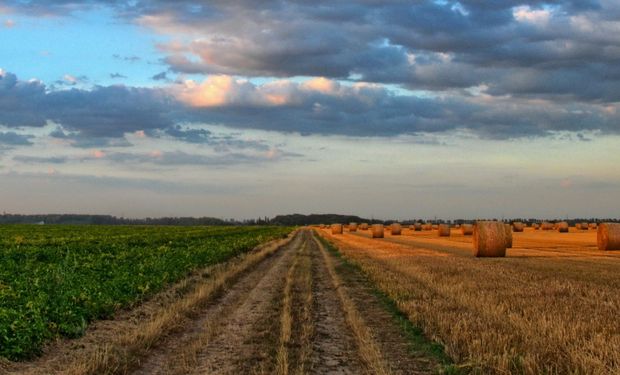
pixel 54 280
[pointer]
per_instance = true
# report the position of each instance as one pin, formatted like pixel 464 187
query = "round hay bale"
pixel 489 239
pixel 546 226
pixel 427 227
pixel 508 229
pixel 417 227
pixel 562 227
pixel 353 227
pixel 396 229
pixel 443 230
pixel 592 225
pixel 467 229
pixel 608 236
pixel 377 230
pixel 434 226
pixel 518 226
pixel 336 228
pixel 535 226
pixel 363 226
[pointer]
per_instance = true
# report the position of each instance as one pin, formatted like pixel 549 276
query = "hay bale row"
pixel 427 227
pixel 396 229
pixel 489 239
pixel 467 229
pixel 582 226
pixel 336 228
pixel 608 236
pixel 364 226
pixel 443 230
pixel 562 227
pixel 417 227
pixel 518 226
pixel 352 227
pixel 545 225
pixel 377 231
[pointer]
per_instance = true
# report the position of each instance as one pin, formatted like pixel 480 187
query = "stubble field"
pixel 550 306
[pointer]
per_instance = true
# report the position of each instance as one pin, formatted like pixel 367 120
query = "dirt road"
pixel 292 313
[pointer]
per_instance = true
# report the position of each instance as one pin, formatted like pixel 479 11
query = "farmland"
pixel 269 300
pixel 55 280
pixel 549 306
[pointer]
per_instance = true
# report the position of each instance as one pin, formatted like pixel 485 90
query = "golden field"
pixel 550 306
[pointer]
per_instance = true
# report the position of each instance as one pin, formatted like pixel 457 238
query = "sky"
pixel 240 109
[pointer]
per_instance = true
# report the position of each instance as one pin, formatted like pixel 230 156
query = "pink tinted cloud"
pixel 98 154
pixel 225 90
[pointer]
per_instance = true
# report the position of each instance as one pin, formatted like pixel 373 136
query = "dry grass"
pixel 549 307
pixel 305 319
pixel 286 321
pixel 368 349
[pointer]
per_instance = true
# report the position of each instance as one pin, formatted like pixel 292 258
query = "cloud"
pixel 40 159
pixel 14 139
pixel 167 158
pixel 160 76
pixel 130 59
pixel 102 116
pixel 536 16
pixel 553 49
pixel 219 142
pixel 9 23
pixel 484 43
pixel 71 80
pixel 99 112
pixel 117 75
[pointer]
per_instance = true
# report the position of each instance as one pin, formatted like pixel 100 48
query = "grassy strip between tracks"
pixel 418 342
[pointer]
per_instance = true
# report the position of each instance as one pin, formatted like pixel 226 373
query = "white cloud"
pixel 535 16
pixel 70 79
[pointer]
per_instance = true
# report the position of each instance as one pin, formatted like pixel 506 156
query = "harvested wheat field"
pixel 289 306
pixel 549 306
